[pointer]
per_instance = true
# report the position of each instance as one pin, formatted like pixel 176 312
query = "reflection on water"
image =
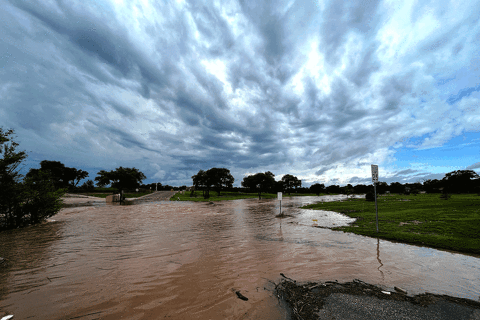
pixel 186 260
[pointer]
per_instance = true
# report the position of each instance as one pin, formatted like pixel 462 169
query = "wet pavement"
pixel 185 260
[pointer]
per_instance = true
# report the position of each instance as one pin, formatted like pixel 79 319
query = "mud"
pixel 186 260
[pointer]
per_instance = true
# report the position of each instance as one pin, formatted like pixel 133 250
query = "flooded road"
pixel 182 260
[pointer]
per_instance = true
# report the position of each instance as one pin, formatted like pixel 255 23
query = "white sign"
pixel 279 196
pixel 374 173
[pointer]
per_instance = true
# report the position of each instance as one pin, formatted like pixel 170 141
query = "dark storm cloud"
pixel 341 18
pixel 302 87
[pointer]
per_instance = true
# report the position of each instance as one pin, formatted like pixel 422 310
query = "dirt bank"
pixel 78 200
pixel 360 300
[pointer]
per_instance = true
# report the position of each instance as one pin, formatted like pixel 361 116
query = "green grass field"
pixel 225 195
pixel 424 219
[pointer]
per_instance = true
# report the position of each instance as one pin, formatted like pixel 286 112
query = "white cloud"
pixel 298 87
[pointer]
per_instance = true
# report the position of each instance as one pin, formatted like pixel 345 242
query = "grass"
pixel 424 219
pixel 225 195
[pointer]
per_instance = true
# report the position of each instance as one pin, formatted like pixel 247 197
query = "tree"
pixel 432 186
pixel 10 198
pixel 121 178
pixel 58 174
pixel 348 189
pixel 460 181
pixel 290 182
pixel 333 189
pixel 317 188
pixel 382 187
pixel 260 182
pixel 397 187
pixel 199 181
pixel 219 178
pixel 22 202
pixel 88 185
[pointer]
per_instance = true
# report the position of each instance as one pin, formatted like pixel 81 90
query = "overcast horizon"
pixel 317 89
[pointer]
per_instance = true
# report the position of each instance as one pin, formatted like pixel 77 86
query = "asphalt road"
pixel 347 306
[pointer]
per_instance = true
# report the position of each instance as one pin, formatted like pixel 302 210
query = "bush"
pixel 445 196
pixel 23 202
pixel 370 196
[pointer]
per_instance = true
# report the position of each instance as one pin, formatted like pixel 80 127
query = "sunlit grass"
pixel 424 219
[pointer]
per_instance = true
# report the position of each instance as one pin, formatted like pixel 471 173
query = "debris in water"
pixel 241 296
pixel 7 317
pixel 400 290
pixel 385 292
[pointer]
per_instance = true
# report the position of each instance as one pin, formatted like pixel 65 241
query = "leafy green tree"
pixel 260 182
pixel 348 189
pixel 121 178
pixel 199 181
pixel 219 178
pixel 290 182
pixel 41 198
pixel 88 185
pixel 10 187
pixel 397 187
pixel 317 188
pixel 333 189
pixel 382 187
pixel 58 174
pixel 22 202
pixel 460 181
pixel 432 186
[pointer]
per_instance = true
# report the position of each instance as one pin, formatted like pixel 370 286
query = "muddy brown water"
pixel 183 260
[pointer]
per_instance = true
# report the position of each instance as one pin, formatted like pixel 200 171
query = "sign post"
pixel 279 194
pixel 375 180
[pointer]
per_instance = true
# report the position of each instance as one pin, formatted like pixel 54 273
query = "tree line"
pixel 459 181
pixel 30 199
pixel 36 197
pixel 221 179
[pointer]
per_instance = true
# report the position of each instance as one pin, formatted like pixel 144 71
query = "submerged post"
pixel 375 180
pixel 279 194
pixel 376 207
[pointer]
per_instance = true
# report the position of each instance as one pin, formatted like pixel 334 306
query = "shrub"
pixel 445 196
pixel 370 196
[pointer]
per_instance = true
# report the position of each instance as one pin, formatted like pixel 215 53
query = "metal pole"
pixel 376 208
pixel 280 206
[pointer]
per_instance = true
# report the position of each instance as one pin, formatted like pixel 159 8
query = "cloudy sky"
pixel 317 89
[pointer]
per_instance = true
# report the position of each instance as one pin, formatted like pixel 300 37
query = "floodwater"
pixel 182 260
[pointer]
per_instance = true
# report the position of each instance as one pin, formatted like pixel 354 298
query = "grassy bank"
pixel 225 195
pixel 424 219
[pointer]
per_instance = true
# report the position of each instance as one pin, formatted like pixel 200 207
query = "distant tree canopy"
pixel 219 178
pixel 333 189
pixel 461 181
pixel 290 182
pixel 23 202
pixel 317 188
pixel 58 174
pixel 121 178
pixel 216 178
pixel 260 182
